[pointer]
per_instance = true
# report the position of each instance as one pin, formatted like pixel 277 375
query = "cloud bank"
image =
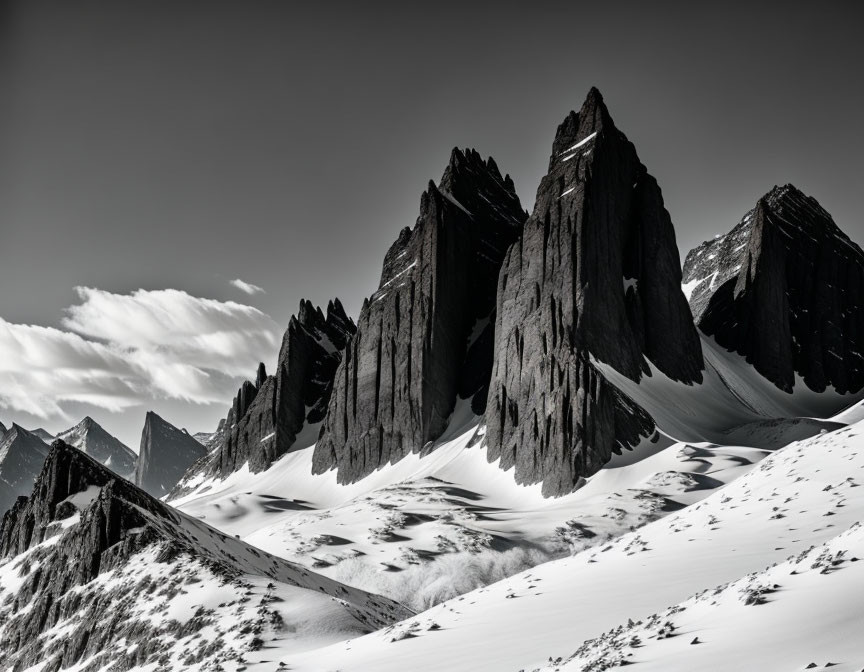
pixel 121 350
pixel 247 287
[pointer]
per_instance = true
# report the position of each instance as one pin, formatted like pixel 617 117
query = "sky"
pixel 176 176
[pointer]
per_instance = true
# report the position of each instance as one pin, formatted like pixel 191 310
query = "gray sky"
pixel 182 145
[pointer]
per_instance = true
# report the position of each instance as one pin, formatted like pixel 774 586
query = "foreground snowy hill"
pixel 95 572
pixel 804 494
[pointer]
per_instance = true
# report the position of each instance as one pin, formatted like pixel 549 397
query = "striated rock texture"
pixel 595 276
pixel 783 289
pixel 103 576
pixel 89 437
pixel 166 453
pixel 267 416
pixel 21 456
pixel 425 337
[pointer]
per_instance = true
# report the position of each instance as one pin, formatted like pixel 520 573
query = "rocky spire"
pixel 594 277
pixel 782 289
pixel 91 438
pixel 425 337
pixel 165 455
pixel 266 418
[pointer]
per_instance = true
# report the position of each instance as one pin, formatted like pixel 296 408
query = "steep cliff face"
pixel 425 337
pixel 267 416
pixel 21 456
pixel 104 572
pixel 783 289
pixel 594 275
pixel 166 453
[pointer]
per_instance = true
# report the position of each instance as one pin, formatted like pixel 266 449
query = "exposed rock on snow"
pixel 425 338
pixel 95 572
pixel 268 416
pixel 166 453
pixel 783 289
pixel 562 300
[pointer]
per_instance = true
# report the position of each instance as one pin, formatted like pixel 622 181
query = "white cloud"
pixel 122 350
pixel 247 287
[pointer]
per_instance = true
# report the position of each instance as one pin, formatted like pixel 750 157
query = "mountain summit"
pixel 593 278
pixel 166 453
pixel 783 289
pixel 425 338
pixel 89 437
pixel 21 457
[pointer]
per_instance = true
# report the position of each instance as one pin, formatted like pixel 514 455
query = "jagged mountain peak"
pixel 395 392
pixel 267 418
pixel 781 289
pixel 336 315
pixel 474 184
pixel 90 437
pixel 21 455
pixel 260 375
pixel 166 453
pixel 591 119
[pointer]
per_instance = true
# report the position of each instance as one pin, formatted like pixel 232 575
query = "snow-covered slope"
pixel 90 438
pixel 430 528
pixel 801 614
pixel 802 495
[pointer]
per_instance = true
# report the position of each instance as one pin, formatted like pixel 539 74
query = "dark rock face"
pixel 103 521
pixel 90 437
pixel 21 456
pixel 166 453
pixel 267 416
pixel 425 337
pixel 594 275
pixel 783 289
pixel 3 431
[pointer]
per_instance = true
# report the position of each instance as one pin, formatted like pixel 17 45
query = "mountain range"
pixel 539 429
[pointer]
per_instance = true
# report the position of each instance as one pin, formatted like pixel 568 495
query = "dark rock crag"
pixel 783 289
pixel 103 521
pixel 166 453
pixel 425 338
pixel 268 415
pixel 595 276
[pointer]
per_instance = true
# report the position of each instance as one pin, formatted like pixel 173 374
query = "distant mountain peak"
pixel 166 453
pixel 92 439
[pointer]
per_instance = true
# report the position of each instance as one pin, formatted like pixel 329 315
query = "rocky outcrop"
pixel 268 415
pixel 594 277
pixel 21 456
pixel 425 337
pixel 81 521
pixel 165 455
pixel 90 437
pixel 783 289
pixel 3 431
